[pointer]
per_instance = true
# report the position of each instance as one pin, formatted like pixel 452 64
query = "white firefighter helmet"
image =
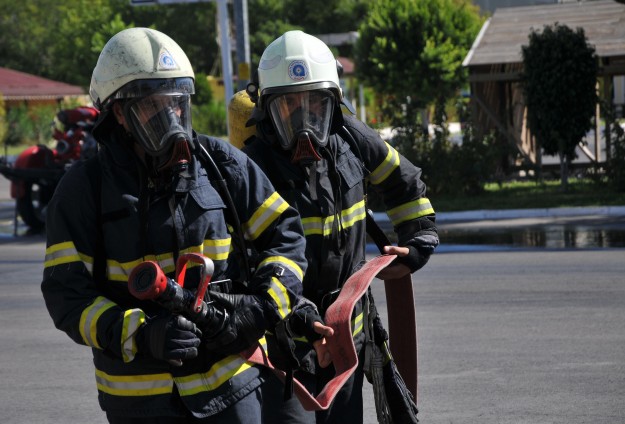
pixel 153 76
pixel 140 55
pixel 297 61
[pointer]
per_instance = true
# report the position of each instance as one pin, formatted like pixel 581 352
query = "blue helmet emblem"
pixel 166 61
pixel 298 70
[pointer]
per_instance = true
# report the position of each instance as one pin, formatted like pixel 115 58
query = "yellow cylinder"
pixel 239 112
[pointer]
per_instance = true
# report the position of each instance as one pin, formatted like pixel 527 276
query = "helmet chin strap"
pixel 304 152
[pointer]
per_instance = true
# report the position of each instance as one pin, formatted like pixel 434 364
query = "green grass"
pixel 528 195
pixel 12 150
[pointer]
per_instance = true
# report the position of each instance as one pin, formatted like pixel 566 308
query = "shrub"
pixel 616 163
pixel 29 125
pixel 210 118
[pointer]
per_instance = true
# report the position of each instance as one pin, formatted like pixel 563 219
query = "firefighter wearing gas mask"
pixel 150 100
pixel 298 100
pixel 151 194
pixel 321 161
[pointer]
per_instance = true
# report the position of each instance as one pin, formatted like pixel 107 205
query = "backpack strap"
pixel 373 228
pixel 94 175
pixel 230 212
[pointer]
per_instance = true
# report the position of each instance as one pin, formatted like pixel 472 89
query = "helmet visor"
pixel 157 121
pixel 298 112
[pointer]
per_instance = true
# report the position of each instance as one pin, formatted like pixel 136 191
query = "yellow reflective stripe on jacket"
pixel 119 271
pixel 357 324
pixel 285 262
pixel 216 250
pixel 134 385
pixel 63 253
pixel 388 165
pixel 411 210
pixel 133 319
pixel 323 226
pixel 89 320
pixel 219 373
pixel 156 384
pixel 278 293
pixel 267 213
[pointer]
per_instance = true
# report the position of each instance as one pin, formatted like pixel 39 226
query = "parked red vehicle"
pixel 38 169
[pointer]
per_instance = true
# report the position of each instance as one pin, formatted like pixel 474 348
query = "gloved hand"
pixel 245 322
pixel 409 259
pixel 415 259
pixel 302 323
pixel 306 321
pixel 170 338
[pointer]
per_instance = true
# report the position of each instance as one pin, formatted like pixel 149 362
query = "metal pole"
pixel 243 43
pixel 226 61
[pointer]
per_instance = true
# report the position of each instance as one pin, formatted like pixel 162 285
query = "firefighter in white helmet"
pixel 321 161
pixel 153 193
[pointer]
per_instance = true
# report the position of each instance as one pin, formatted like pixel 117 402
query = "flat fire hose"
pixel 402 329
pixel 341 344
pixel 402 318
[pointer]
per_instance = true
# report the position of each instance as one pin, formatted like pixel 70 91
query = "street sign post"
pixel 223 19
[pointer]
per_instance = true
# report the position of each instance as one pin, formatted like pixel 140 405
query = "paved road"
pixel 529 336
pixel 505 337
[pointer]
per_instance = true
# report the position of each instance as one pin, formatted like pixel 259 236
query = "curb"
pixel 495 214
pixel 490 214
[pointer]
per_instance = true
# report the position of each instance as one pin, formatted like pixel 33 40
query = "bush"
pixel 450 168
pixel 29 126
pixel 616 163
pixel 210 118
pixel 209 115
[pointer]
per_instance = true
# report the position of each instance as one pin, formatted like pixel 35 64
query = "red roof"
pixel 15 85
pixel 348 65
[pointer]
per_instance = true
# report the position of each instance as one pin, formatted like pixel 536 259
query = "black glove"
pixel 415 259
pixel 170 338
pixel 245 322
pixel 284 353
pixel 302 320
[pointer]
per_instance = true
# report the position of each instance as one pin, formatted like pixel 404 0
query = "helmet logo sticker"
pixel 166 60
pixel 298 70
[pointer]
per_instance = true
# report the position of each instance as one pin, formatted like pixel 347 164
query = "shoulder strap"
pixel 373 228
pixel 230 213
pixel 94 175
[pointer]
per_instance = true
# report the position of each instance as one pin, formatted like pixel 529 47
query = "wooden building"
pixel 21 88
pixel 495 63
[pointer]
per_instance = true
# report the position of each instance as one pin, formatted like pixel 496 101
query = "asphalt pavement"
pixel 521 336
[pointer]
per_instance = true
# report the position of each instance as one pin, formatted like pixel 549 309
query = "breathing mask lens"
pixel 307 112
pixel 159 120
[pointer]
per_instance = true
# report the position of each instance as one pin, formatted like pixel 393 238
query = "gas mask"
pixel 161 124
pixel 302 121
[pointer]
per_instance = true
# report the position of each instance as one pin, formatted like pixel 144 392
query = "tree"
pixel 411 53
pixel 559 82
pixel 82 30
pixel 62 48
pixel 192 25
pixel 268 19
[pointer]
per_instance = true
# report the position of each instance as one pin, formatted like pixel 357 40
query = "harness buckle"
pixel 327 300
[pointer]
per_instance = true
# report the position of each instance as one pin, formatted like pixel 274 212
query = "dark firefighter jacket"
pixel 187 217
pixel 331 201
